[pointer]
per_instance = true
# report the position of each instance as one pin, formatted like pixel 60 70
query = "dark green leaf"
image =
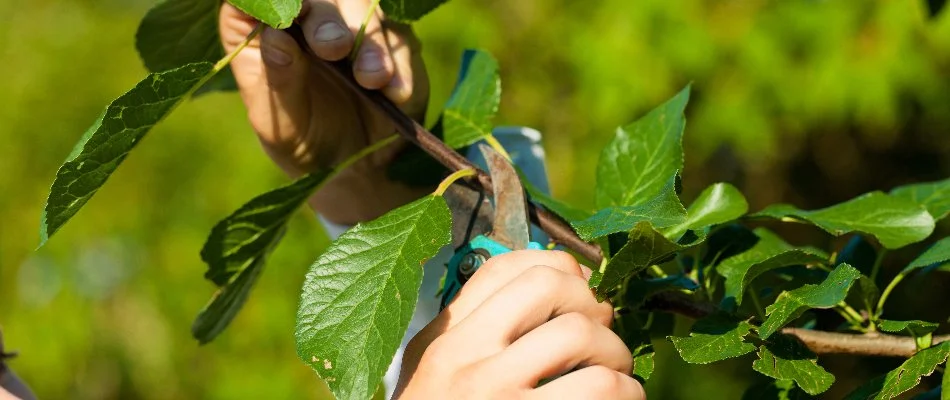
pixel 229 299
pixel 904 377
pixel 895 222
pixel 644 247
pixel 914 328
pixel 641 289
pixel 791 304
pixel 639 343
pixel 786 358
pixel 662 211
pixel 360 294
pixel 643 156
pixel 769 253
pixel 945 385
pixel 727 241
pixel 717 204
pixel 408 10
pixel 110 139
pixel 858 253
pixel 936 255
pixel 935 196
pixel 713 339
pixel 865 295
pixel 239 245
pixel 278 14
pixel 178 32
pixel 643 361
pixel 469 113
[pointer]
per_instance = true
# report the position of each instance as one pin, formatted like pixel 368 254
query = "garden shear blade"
pixel 509 229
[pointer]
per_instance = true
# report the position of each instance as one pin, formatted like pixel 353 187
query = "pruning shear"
pixel 486 229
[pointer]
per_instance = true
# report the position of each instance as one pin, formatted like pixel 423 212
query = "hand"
pixel 306 119
pixel 524 317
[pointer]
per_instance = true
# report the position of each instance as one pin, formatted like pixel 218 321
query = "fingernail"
pixel 369 61
pixel 275 56
pixel 329 32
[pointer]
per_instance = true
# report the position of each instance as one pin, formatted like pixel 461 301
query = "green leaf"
pixel 719 203
pixel 769 253
pixel 110 139
pixel 638 341
pixel 228 300
pixel 639 290
pixel 792 304
pixel 469 113
pixel 643 156
pixel 714 338
pixel 360 294
pixel 178 32
pixel 408 10
pixel 645 246
pixel 278 14
pixel 915 328
pixel 904 377
pixel 935 196
pixel 938 254
pixel 662 211
pixel 240 244
pixel 244 236
pixel 945 385
pixel 786 358
pixel 643 362
pixel 895 222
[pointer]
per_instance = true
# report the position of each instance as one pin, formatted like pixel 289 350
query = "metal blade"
pixel 510 224
pixel 471 213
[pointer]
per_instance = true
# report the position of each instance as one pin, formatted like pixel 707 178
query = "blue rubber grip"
pixel 481 244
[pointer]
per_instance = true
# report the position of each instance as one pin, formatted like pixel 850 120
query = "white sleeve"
pixel 524 146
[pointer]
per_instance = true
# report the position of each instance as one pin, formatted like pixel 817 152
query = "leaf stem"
pixel 851 314
pixel 495 144
pixel 656 270
pixel 754 295
pixel 887 292
pixel 877 264
pixel 218 66
pixel 365 152
pixel 449 180
pixel 362 33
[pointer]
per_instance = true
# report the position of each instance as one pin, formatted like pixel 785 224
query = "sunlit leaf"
pixel 662 211
pixel 644 247
pixel 408 10
pixel 360 294
pixel 769 253
pixel 895 222
pixel 935 196
pixel 469 113
pixel 792 304
pixel 904 377
pixel 786 358
pixel 713 339
pixel 717 204
pixel 276 13
pixel 110 139
pixel 643 157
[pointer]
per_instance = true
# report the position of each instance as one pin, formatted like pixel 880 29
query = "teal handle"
pixel 466 261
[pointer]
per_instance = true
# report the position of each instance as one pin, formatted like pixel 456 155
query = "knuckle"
pixel 606 381
pixel 566 260
pixel 545 279
pixel 581 327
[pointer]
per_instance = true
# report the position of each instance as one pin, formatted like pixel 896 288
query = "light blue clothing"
pixel 524 146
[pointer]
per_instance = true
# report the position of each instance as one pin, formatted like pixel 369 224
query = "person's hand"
pixel 306 119
pixel 524 317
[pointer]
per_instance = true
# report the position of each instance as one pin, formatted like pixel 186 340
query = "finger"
pixel 373 67
pixel 595 382
pixel 279 109
pixel 536 296
pixel 569 341
pixel 401 87
pixel 234 26
pixel 325 30
pixel 499 271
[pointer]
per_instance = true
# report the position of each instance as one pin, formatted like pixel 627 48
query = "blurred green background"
pixel 804 101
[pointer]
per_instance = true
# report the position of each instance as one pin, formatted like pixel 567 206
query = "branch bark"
pixel 558 230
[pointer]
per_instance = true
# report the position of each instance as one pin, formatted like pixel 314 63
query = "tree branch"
pixel 818 341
